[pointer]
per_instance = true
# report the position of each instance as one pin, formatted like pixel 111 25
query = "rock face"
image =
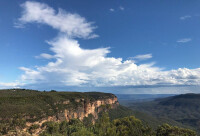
pixel 87 107
pixel 84 108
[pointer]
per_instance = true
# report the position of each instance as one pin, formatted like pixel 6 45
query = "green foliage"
pixel 63 126
pixel 88 121
pixel 83 132
pixel 33 127
pixel 16 122
pixel 103 127
pixel 167 130
pixel 52 127
pixel 130 126
pixel 181 110
pixel 53 91
pixel 120 112
pixel 127 126
pixel 73 127
pixel 147 119
pixel 35 105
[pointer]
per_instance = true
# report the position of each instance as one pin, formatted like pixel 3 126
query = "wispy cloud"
pixel 18 25
pixel 184 40
pixel 121 8
pixel 142 57
pixel 44 56
pixel 112 10
pixel 10 85
pixel 185 17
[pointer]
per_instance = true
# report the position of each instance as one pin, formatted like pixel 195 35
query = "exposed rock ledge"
pixel 85 108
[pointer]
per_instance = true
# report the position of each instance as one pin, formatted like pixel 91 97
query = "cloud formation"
pixel 44 56
pixel 112 10
pixel 121 8
pixel 75 66
pixel 10 85
pixel 184 40
pixel 71 24
pixel 142 57
pixel 185 17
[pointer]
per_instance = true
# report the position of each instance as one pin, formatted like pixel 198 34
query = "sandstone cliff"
pixel 84 108
pixel 87 107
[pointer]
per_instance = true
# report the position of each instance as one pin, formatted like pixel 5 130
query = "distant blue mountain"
pixel 125 99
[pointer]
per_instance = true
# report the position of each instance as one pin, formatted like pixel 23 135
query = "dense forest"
pixel 127 126
pixel 39 104
pixel 181 109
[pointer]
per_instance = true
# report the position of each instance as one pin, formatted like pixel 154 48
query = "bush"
pixel 167 130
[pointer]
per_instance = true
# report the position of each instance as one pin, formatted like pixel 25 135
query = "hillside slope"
pixel 35 105
pixel 24 108
pixel 184 109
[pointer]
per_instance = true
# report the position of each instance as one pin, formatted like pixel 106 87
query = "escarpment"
pixel 30 108
pixel 84 108
pixel 80 108
pixel 87 107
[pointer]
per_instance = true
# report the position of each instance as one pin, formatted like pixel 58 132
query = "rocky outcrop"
pixel 87 107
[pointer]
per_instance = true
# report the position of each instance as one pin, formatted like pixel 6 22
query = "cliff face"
pixel 88 107
pixel 84 108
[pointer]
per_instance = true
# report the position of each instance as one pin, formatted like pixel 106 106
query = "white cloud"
pixel 45 56
pixel 18 25
pixel 185 17
pixel 71 24
pixel 121 8
pixel 75 66
pixel 10 85
pixel 112 10
pixel 142 57
pixel 184 40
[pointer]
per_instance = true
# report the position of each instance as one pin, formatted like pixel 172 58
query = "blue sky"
pixel 67 44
